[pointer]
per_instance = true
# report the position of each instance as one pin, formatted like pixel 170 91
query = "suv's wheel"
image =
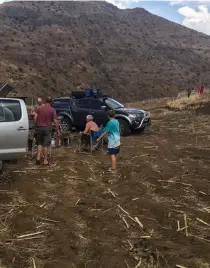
pixel 125 129
pixel 65 124
pixel 142 129
pixel 1 166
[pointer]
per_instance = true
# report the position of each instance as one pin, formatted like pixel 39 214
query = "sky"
pixel 192 14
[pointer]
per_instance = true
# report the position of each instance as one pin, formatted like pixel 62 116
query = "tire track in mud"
pixel 159 179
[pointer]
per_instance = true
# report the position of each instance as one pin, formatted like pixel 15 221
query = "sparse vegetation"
pixel 75 214
pixel 191 103
pixel 163 174
pixel 125 39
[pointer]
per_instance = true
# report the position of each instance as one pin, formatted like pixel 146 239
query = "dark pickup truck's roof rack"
pixel 81 94
pixel 78 94
pixel 106 96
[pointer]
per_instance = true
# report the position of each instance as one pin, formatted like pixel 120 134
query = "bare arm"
pixel 35 117
pixel 102 135
pixel 56 125
pixel 87 128
pixel 35 113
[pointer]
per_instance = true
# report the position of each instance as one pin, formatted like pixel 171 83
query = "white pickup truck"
pixel 14 129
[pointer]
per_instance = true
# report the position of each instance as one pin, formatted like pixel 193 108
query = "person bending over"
pixel 90 126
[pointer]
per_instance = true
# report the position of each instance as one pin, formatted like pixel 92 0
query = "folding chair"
pixel 91 141
pixel 94 145
pixel 65 138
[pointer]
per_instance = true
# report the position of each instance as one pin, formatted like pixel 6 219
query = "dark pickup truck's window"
pixel 83 103
pixel 88 104
pixel 113 104
pixel 10 110
pixel 61 104
pixel 95 104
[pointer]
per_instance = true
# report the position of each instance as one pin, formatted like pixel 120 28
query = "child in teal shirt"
pixel 112 129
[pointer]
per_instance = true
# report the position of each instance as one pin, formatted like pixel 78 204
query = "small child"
pixel 113 130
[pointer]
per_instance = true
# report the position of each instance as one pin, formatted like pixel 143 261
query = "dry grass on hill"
pixel 191 103
pixel 55 47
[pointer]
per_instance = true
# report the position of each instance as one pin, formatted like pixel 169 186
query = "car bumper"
pixel 141 123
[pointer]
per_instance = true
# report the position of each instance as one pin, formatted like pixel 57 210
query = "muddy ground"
pixel 75 206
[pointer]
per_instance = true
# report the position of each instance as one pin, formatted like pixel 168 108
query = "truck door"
pixel 80 109
pixel 14 128
pixel 99 114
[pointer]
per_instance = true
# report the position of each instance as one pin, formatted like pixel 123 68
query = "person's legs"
pixel 45 155
pixel 113 152
pixel 85 141
pixel 39 151
pixel 40 137
pixel 114 161
pixel 35 137
pixel 46 144
pixel 85 138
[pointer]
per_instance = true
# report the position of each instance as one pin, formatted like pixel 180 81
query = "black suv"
pixel 74 111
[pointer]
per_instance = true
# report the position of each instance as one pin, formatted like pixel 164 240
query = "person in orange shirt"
pixel 90 126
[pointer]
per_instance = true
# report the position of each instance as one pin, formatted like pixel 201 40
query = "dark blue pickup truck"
pixel 74 112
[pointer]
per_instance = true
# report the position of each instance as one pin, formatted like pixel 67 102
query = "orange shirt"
pixel 90 126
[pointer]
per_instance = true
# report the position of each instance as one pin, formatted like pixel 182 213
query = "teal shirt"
pixel 113 130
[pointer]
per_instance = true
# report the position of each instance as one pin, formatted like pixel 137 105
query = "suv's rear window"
pixel 10 110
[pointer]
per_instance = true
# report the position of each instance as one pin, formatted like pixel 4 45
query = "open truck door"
pixel 5 89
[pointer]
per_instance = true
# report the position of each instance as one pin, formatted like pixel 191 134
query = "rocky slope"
pixel 56 47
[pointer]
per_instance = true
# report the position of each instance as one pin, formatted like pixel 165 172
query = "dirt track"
pixel 163 174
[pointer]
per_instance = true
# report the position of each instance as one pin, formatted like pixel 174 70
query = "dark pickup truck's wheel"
pixel 65 124
pixel 125 129
pixel 141 130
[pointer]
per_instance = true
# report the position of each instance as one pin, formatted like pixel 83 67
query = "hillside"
pixel 56 47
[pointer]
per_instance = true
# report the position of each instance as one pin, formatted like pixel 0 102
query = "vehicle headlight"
pixel 132 115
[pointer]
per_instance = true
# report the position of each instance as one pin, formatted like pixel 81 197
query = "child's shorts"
pixel 113 151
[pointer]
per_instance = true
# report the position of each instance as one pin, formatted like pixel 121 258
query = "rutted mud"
pixel 75 207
